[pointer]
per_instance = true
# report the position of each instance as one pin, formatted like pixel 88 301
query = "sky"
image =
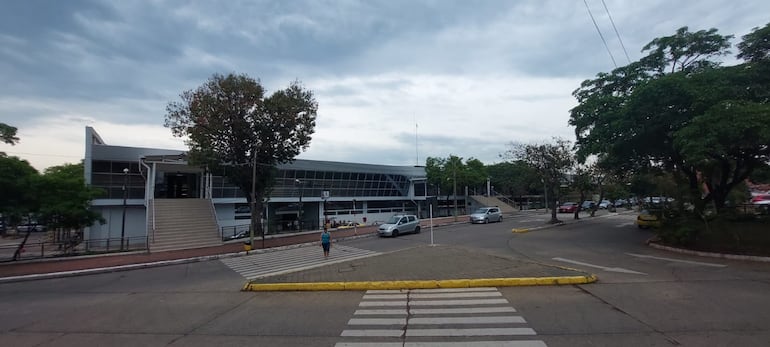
pixel 396 81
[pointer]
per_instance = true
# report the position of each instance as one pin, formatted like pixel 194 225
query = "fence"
pixel 49 249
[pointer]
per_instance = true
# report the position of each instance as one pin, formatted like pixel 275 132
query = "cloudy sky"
pixel 396 81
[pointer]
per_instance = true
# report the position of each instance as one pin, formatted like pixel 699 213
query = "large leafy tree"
pixel 755 46
pixel 553 161
pixel 18 196
pixel 229 122
pixel 515 178
pixel 641 117
pixel 8 134
pixel 65 198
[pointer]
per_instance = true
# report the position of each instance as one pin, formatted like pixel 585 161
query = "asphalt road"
pixel 644 297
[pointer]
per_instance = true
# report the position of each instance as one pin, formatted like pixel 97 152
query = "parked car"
pixel 486 215
pixel 587 205
pixel 568 207
pixel 399 224
pixel 648 218
pixel 621 202
pixel 23 228
pixel 605 204
pixel 761 198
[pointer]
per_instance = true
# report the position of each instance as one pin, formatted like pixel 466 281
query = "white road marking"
pixel 467 320
pixel 377 321
pixel 373 332
pixel 470 310
pixel 381 312
pixel 521 343
pixel 432 296
pixel 610 269
pixel 266 264
pixel 471 332
pixel 677 260
pixel 458 302
pixel 454 314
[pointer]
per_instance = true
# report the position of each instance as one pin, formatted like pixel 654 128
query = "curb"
pixel 419 284
pixel 709 254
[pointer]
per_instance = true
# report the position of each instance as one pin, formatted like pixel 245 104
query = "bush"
pixel 729 233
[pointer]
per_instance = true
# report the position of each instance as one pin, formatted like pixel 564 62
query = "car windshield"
pixel 393 220
pixel 480 211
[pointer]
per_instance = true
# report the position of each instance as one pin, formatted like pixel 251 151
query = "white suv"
pixel 399 224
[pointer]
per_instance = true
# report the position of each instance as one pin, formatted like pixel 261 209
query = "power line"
pixel 600 34
pixel 616 32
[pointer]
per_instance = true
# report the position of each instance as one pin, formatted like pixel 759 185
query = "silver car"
pixel 399 224
pixel 486 215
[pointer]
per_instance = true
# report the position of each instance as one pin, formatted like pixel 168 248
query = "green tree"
pixel 725 145
pixel 66 199
pixel 447 173
pixel 17 188
pixel 582 182
pixel 475 175
pixel 639 120
pixel 514 178
pixel 553 161
pixel 761 174
pixel 755 46
pixel 228 121
pixel 8 135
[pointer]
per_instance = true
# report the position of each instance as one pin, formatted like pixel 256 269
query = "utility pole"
pixel 254 202
pixel 454 179
pixel 125 197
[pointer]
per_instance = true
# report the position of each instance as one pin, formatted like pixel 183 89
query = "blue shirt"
pixel 325 237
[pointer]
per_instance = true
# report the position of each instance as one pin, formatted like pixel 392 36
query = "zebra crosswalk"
pixel 290 260
pixel 475 317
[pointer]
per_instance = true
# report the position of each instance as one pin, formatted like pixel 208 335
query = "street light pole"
pixel 299 209
pixel 125 197
pixel 254 203
pixel 454 179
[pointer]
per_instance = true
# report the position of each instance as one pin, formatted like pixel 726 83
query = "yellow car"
pixel 648 219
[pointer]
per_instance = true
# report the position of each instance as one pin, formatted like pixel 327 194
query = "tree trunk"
pixel 17 254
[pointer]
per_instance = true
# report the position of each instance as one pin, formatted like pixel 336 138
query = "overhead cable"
pixel 600 34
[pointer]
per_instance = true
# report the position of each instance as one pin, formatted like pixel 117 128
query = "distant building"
pixel 169 204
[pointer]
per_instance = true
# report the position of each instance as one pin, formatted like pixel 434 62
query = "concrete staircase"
pixel 183 224
pixel 482 200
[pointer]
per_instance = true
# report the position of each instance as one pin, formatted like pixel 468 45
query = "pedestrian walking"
pixel 326 242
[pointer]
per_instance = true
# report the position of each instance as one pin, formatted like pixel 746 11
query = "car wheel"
pixel 500 219
pixel 417 230
pixel 395 233
pixel 486 220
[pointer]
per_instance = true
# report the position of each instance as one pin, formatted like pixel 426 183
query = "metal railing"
pixel 68 248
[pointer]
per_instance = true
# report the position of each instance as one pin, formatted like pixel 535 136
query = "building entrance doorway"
pixel 181 185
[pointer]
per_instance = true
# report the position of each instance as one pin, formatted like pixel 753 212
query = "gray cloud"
pixel 371 63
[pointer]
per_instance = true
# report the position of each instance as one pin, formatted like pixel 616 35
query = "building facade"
pixel 305 191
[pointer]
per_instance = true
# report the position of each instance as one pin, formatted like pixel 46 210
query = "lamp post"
pixel 454 183
pixel 123 220
pixel 299 209
pixel 253 208
pixel 325 196
pixel 355 224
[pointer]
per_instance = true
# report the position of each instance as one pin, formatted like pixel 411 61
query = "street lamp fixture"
pixel 123 220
